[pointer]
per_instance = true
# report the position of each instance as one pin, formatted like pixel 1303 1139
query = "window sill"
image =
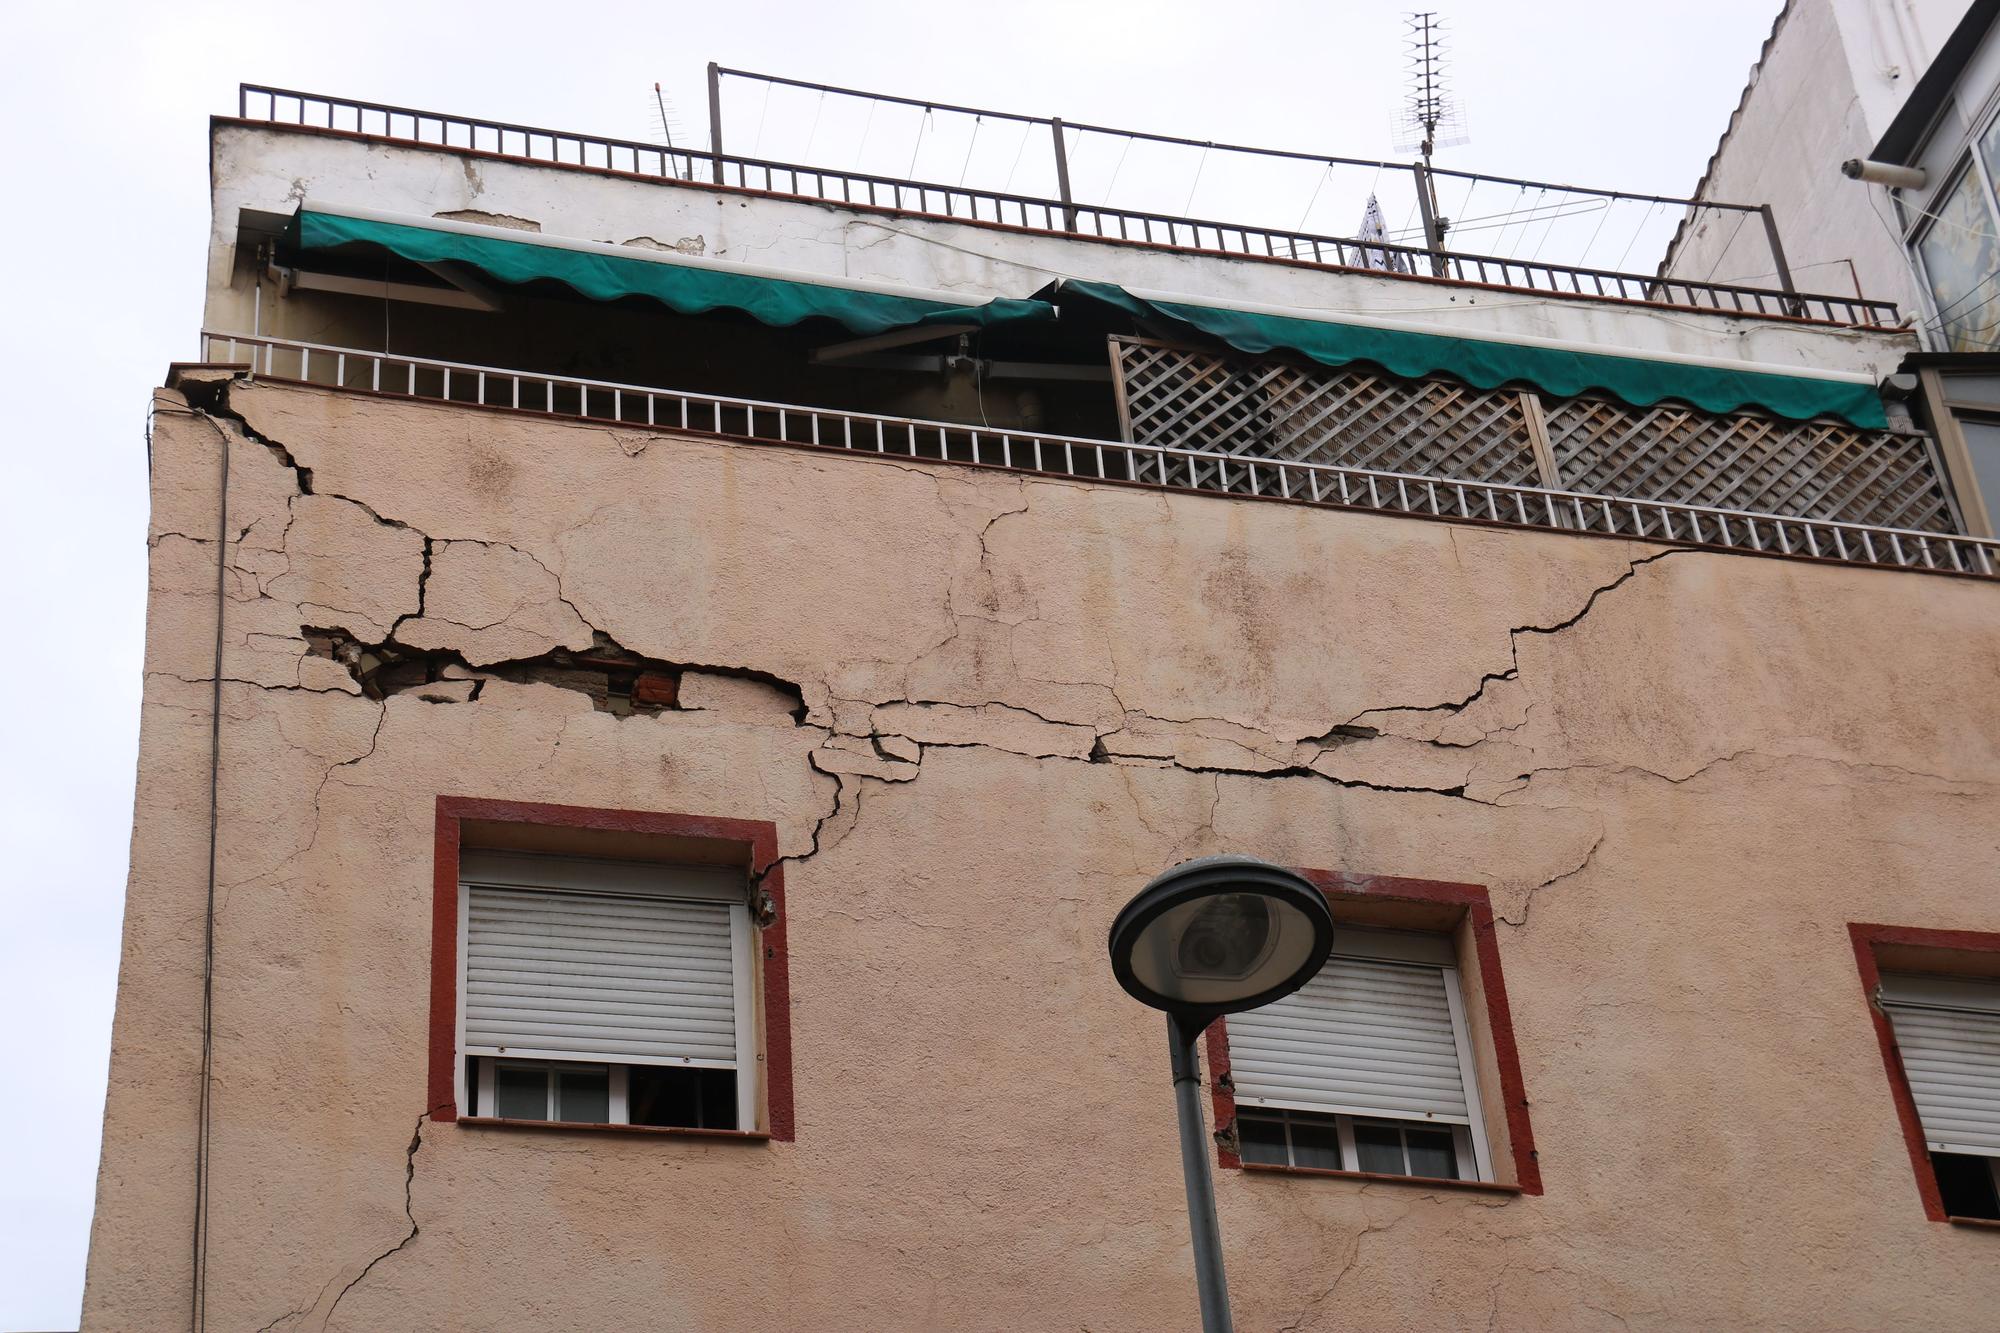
pixel 1375 1178
pixel 670 1131
pixel 1984 1222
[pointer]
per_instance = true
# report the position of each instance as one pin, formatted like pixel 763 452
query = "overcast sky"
pixel 105 110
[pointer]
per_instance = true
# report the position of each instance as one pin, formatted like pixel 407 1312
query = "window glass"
pixel 1380 1149
pixel 1982 441
pixel 521 1093
pixel 1431 1154
pixel 1263 1141
pixel 583 1096
pixel 1961 255
pixel 1962 390
pixel 687 1098
pixel 1966 1185
pixel 1316 1143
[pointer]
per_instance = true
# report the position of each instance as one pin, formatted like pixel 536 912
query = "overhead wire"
pixel 1555 211
pixel 1522 234
pixel 1727 245
pixel 758 143
pixel 1027 127
pixel 917 147
pixel 1201 162
pixel 866 127
pixel 1644 218
pixel 1582 260
pixel 1318 185
pixel 814 134
pixel 1115 170
pixel 966 166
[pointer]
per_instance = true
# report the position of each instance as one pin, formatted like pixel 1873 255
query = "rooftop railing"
pixel 990 208
pixel 1115 461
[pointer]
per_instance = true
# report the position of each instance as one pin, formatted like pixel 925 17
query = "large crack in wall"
pixel 439 617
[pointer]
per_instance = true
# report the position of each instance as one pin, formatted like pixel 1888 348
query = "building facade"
pixel 1832 78
pixel 660 676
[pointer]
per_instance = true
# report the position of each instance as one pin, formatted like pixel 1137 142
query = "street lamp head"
pixel 1218 935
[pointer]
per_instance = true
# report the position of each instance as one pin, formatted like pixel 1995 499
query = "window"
pixel 1960 253
pixel 1948 1038
pixel 1368 1067
pixel 607 992
pixel 615 969
pixel 1934 999
pixel 1961 400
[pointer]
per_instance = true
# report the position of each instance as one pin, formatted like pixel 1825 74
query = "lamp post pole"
pixel 1214 936
pixel 1210 1280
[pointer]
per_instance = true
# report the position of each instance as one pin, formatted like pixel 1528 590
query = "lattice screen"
pixel 1815 469
pixel 1351 417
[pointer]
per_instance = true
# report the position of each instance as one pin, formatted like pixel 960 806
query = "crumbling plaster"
pixel 981 708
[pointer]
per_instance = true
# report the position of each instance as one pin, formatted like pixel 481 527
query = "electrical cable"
pixel 817 110
pixel 1324 177
pixel 1114 171
pixel 966 165
pixel 1027 127
pixel 1644 218
pixel 198 1295
pixel 917 147
pixel 1555 211
pixel 1522 235
pixel 1520 193
pixel 1187 209
pixel 1727 245
pixel 758 143
pixel 1582 260
pixel 866 126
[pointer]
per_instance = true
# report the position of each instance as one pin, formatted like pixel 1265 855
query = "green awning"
pixel 689 286
pixel 1488 364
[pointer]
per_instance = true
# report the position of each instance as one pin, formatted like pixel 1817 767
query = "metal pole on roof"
pixel 1427 205
pixel 1062 174
pixel 715 119
pixel 1778 260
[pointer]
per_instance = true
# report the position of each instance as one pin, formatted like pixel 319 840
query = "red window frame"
pixel 1867 937
pixel 1477 906
pixel 759 840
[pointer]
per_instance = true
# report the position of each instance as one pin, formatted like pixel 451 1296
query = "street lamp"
pixel 1210 937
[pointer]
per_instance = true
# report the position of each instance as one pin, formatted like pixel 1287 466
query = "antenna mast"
pixel 1431 119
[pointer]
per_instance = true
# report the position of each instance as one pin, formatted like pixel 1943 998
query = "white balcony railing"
pixel 399 376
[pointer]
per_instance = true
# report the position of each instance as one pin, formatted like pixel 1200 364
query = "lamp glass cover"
pixel 1220 948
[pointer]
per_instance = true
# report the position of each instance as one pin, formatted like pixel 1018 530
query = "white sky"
pixel 105 112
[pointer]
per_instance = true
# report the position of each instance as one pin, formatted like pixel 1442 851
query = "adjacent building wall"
pixel 1828 82
pixel 1681 774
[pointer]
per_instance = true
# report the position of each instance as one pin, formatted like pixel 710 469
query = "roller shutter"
pixel 1948 1031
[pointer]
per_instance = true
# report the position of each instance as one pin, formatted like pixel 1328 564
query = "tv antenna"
pixel 666 121
pixel 1430 119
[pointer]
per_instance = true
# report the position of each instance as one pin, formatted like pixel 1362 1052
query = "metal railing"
pixel 281 106
pixel 427 379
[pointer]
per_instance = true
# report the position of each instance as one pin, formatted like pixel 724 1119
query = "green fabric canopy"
pixel 691 289
pixel 1488 365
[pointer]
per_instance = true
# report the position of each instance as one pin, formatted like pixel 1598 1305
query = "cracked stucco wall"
pixel 981 709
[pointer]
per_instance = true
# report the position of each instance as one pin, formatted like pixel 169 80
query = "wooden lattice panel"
pixel 1748 461
pixel 1349 418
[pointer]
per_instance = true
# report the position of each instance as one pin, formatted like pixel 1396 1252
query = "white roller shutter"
pixel 578 976
pixel 1364 1037
pixel 1948 1031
